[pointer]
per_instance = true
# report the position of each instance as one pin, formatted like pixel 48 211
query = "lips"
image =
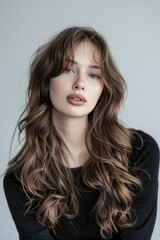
pixel 76 97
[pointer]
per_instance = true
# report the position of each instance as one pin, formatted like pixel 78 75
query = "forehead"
pixel 83 50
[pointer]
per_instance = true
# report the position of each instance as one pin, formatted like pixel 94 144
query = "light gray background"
pixel 132 29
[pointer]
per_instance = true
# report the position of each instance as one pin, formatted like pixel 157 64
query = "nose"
pixel 79 84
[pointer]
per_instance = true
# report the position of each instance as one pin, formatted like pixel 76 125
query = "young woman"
pixel 80 174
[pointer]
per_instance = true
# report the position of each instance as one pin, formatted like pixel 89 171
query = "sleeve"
pixel 27 226
pixel 145 204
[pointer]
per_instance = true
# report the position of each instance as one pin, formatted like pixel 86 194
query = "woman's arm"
pixel 27 226
pixel 145 205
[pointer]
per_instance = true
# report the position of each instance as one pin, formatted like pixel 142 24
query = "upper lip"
pixel 74 95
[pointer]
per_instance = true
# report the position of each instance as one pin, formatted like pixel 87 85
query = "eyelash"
pixel 95 76
pixel 92 75
pixel 68 70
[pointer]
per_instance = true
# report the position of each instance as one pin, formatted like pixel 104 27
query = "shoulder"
pixel 145 151
pixel 13 189
pixel 10 181
pixel 148 140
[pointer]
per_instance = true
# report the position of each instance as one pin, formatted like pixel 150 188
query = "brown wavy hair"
pixel 38 165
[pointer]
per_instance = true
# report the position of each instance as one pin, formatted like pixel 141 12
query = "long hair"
pixel 38 165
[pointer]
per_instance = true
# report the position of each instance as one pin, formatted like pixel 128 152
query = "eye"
pixel 94 76
pixel 68 70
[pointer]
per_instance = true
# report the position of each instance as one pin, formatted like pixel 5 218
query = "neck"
pixel 72 130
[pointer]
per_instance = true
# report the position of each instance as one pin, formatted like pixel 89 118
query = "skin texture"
pixel 83 77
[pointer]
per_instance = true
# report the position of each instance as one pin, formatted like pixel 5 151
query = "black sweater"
pixel 80 228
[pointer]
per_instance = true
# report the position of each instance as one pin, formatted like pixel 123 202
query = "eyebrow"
pixel 90 66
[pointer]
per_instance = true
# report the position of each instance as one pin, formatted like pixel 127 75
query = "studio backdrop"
pixel 131 29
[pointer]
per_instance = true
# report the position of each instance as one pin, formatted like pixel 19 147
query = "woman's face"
pixel 82 78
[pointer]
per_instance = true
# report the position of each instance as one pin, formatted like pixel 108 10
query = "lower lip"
pixel 75 102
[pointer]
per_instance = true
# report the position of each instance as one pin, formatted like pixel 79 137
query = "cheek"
pixel 57 87
pixel 53 89
pixel 101 89
pixel 59 84
pixel 96 93
pixel 55 84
